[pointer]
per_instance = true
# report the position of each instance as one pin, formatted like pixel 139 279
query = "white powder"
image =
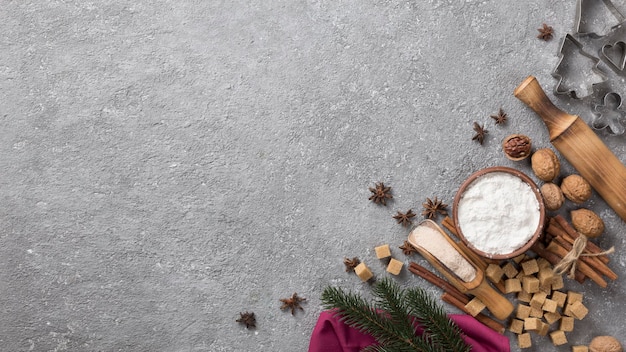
pixel 432 241
pixel 498 213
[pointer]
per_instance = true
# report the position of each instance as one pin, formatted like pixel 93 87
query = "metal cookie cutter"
pixel 615 55
pixel 577 71
pixel 610 115
pixel 592 17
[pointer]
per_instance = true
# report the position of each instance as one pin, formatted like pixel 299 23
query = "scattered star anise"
pixel 545 32
pixel 248 319
pixel 380 194
pixel 480 133
pixel 405 218
pixel 434 206
pixel 351 263
pixel 408 248
pixel 292 303
pixel 500 117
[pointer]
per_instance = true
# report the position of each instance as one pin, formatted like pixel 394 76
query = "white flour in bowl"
pixel 498 213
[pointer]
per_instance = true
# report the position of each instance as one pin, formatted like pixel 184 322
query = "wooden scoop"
pixel 571 136
pixel 499 306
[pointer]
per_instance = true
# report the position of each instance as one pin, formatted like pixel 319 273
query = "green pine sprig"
pixel 391 318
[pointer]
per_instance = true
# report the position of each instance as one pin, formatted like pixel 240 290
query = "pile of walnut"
pixel 547 168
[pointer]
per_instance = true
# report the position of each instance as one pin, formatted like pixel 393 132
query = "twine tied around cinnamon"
pixel 568 263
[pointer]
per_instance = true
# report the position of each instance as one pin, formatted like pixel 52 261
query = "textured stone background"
pixel 169 164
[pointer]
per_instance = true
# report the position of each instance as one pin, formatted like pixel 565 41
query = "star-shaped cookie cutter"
pixel 610 115
pixel 561 72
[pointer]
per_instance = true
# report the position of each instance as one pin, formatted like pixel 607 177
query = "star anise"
pixel 248 319
pixel 351 263
pixel 500 117
pixel 292 303
pixel 380 194
pixel 405 218
pixel 407 248
pixel 433 207
pixel 480 133
pixel 545 32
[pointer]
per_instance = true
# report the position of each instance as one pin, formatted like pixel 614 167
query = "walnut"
pixel 605 344
pixel 576 189
pixel 587 222
pixel 516 147
pixel 552 196
pixel 545 164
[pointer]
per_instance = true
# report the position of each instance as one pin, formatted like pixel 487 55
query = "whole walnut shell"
pixel 517 147
pixel 605 344
pixel 545 164
pixel 576 189
pixel 587 222
pixel 552 196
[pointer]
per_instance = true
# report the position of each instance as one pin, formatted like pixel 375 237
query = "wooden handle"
pixel 571 136
pixel 497 304
pixel 531 93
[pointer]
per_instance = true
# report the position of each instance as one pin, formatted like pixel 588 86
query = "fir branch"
pixel 393 326
pixel 439 328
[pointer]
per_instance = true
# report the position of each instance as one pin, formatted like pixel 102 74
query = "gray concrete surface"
pixel 169 164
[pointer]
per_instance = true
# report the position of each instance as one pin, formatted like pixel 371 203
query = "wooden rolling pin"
pixel 580 145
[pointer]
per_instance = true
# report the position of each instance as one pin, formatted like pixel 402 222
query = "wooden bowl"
pixel 470 180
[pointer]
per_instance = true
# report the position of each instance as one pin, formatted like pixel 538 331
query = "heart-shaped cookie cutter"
pixel 563 71
pixel 610 115
pixel 615 55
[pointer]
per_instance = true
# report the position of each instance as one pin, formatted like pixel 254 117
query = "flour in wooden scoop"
pixel 434 243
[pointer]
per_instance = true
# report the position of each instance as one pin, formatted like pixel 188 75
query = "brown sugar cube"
pixel 523 311
pixel 552 317
pixel 543 329
pixel 524 341
pixel 538 299
pixel 558 338
pixel 536 312
pixel 557 282
pixel 383 251
pixel 546 277
pixel 474 306
pixel 509 270
pixel 559 297
pixel 494 273
pixel 395 266
pixel 530 284
pixel 546 289
pixel 573 296
pixel 567 310
pixel 580 348
pixel 517 326
pixel 524 296
pixel 520 276
pixel 567 324
pixel 532 324
pixel 549 305
pixel 363 272
pixel 519 258
pixel 512 285
pixel 579 311
pixel 543 263
pixel 530 267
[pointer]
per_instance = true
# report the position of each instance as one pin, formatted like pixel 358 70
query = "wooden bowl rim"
pixel 533 187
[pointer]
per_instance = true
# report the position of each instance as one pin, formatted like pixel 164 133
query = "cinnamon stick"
pixel 591 247
pixel 437 281
pixel 563 237
pixel 494 325
pixel 554 247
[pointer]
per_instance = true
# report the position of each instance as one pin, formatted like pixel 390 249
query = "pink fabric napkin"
pixel 332 335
